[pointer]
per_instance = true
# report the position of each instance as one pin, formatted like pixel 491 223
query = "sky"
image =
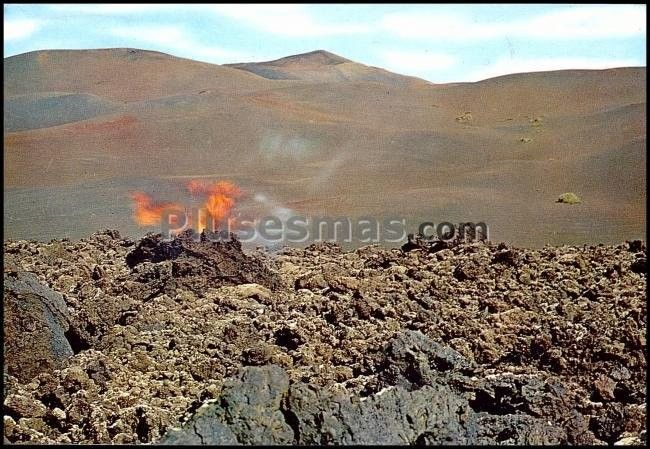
pixel 440 43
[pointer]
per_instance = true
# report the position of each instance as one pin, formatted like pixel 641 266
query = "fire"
pixel 219 199
pixel 218 206
pixel 149 213
pixel 196 187
pixel 220 196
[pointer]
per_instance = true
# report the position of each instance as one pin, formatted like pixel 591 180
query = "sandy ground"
pixel 338 138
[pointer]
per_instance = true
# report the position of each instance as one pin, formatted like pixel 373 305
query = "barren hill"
pixel 323 66
pixel 122 74
pixel 317 134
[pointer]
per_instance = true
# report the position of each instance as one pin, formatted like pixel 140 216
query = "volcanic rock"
pixel 520 345
pixel 197 265
pixel 261 406
pixel 247 412
pixel 36 322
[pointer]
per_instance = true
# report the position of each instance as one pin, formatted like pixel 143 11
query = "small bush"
pixel 569 198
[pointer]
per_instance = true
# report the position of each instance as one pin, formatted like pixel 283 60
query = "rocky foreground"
pixel 113 341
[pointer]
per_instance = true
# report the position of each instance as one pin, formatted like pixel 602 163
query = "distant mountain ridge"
pixel 323 66
pixel 316 57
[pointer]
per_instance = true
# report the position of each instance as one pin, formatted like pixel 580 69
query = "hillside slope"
pixel 323 66
pixel 499 150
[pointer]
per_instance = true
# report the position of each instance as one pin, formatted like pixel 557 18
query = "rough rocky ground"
pixel 197 342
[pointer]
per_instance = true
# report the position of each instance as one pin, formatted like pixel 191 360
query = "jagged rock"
pixel 259 406
pixel 419 242
pixel 517 430
pixel 36 322
pixel 205 263
pixel 519 342
pixel 254 291
pixel 392 416
pixel 605 388
pixel 205 430
pixel 635 246
pixel 311 281
pixel 257 355
pixel 640 266
pixel 467 271
pixel 609 424
pixel 247 412
pixel 23 406
pixel 412 360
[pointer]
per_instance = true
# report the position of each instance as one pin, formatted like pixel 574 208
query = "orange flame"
pixel 196 187
pixel 147 212
pixel 220 198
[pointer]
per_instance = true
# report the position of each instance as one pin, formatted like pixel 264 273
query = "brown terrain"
pixel 318 134
pixel 110 340
pixel 121 337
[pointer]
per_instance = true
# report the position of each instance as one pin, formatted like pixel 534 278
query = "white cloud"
pixel 163 35
pixel 292 20
pixel 506 66
pixel 109 9
pixel 436 26
pixel 176 39
pixel 416 63
pixel 285 20
pixel 604 21
pixel 15 29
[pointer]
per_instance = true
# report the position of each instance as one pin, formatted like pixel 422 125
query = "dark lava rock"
pixel 636 246
pixel 505 257
pixel 392 416
pixel 247 412
pixel 35 325
pixel 609 424
pixel 413 360
pixel 533 346
pixel 516 430
pixel 640 266
pixel 415 242
pixel 200 263
pixel 261 406
pixel 288 338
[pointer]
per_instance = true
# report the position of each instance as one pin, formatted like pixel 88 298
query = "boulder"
pixel 35 326
pixel 247 412
pixel 430 401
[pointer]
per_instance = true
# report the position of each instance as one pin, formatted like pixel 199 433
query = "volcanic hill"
pixel 318 134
